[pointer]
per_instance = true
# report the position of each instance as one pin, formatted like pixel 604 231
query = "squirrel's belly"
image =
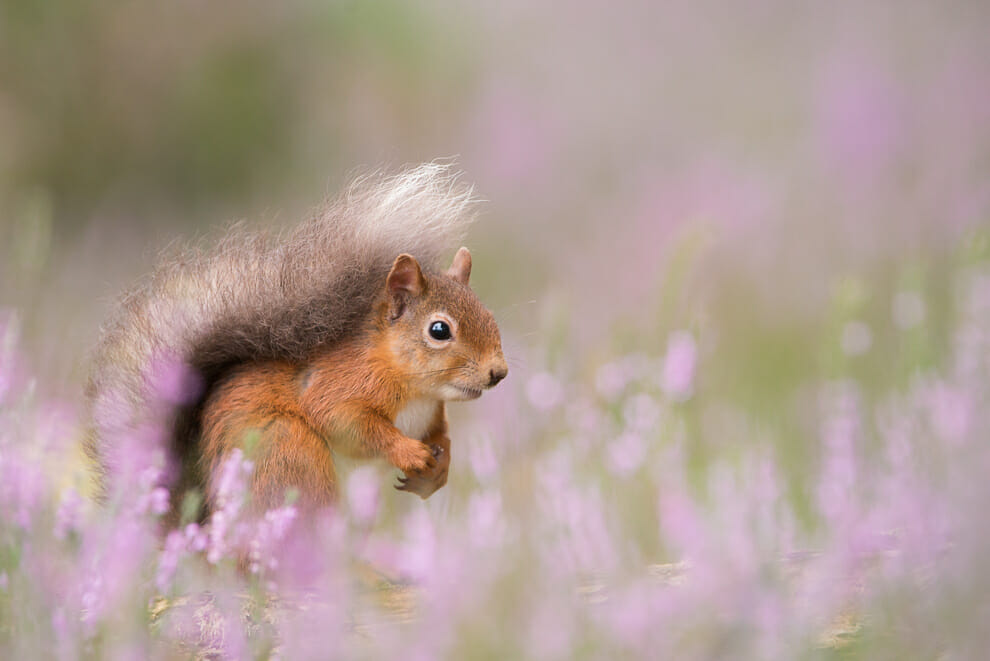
pixel 415 418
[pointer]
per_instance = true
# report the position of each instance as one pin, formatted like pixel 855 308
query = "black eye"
pixel 439 330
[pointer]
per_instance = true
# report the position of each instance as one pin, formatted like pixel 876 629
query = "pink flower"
pixel 642 413
pixel 544 392
pixel 173 381
pixel 420 553
pixel 168 560
pixel 69 514
pixel 840 436
pixel 679 365
pixel 626 454
pixel 196 538
pixel 860 119
pixel 950 410
pixel 613 378
pixel 364 493
pixel 486 523
pixel 481 455
pixel 159 501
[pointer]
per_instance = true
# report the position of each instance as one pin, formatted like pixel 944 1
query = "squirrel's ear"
pixel 405 280
pixel 460 270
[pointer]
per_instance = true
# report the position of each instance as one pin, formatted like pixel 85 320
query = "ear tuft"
pixel 460 270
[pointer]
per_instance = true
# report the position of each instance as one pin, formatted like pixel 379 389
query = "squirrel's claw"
pixel 425 481
pixel 420 486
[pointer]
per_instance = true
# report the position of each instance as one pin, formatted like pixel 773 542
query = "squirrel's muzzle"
pixel 497 372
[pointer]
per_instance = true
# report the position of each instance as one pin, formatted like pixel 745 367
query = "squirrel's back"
pixel 254 297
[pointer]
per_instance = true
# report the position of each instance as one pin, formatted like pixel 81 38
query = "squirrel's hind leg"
pixel 255 409
pixel 290 456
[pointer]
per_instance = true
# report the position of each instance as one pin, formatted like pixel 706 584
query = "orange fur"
pixel 347 397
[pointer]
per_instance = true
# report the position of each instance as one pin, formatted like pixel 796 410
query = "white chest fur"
pixel 415 418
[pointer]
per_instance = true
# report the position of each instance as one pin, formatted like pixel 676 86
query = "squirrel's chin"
pixel 452 393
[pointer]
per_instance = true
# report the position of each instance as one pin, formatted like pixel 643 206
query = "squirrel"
pixel 341 337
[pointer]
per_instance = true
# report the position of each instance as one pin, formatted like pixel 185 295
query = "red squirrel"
pixel 342 337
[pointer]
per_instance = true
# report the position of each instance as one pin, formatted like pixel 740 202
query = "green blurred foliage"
pixel 137 107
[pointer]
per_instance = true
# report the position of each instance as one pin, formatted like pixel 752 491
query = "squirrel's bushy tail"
pixel 256 296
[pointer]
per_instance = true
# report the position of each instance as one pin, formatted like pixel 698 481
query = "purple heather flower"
pixel 159 500
pixel 861 120
pixel 585 417
pixel 482 458
pixel 486 524
pixel 642 413
pixel 173 381
pixel 364 493
pixel 625 454
pixel 267 535
pixel 679 365
pixel 840 434
pixel 544 391
pixel 613 378
pixel 69 514
pixel 168 560
pixel 196 538
pixel 951 411
pixel 420 553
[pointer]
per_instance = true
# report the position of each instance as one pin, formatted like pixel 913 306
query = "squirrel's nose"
pixel 496 374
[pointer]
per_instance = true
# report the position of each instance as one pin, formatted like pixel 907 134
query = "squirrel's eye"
pixel 439 330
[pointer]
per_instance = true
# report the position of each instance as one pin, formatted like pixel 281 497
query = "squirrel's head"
pixel 438 331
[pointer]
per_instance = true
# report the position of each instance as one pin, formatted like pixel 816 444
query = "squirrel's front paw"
pixel 412 456
pixel 425 483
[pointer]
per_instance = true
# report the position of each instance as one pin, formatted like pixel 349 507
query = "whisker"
pixel 440 371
